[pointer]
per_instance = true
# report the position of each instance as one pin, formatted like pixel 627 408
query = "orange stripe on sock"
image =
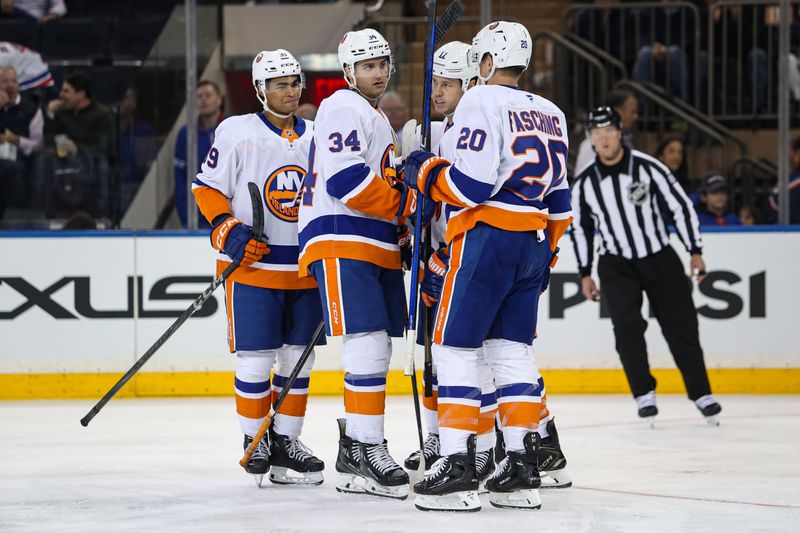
pixel 293 404
pixel 457 416
pixel 364 403
pixel 252 408
pixel 520 414
pixel 486 422
pixel 333 294
pixel 431 403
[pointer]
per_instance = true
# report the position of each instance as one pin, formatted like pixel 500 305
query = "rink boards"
pixel 78 308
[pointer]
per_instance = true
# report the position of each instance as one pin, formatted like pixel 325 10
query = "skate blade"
pixel 457 502
pixel 286 476
pixel 650 421
pixel 350 484
pixel 556 479
pixel 482 488
pixel 259 479
pixel 712 420
pixel 520 499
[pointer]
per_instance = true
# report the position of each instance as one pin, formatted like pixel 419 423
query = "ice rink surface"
pixel 171 465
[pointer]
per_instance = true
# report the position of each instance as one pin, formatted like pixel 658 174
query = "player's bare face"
pixel 607 142
pixel 446 93
pixel 283 94
pixel 372 76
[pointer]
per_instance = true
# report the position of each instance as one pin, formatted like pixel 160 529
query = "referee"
pixel 621 195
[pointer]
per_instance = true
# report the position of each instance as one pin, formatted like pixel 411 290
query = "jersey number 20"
pixel 525 180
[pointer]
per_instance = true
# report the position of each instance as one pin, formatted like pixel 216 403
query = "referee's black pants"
pixel 669 291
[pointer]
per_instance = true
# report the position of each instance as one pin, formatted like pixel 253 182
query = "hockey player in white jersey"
pixel 272 313
pixel 502 176
pixel 353 210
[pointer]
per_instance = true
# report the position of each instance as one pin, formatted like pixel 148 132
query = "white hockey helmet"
pixel 361 45
pixel 452 61
pixel 269 64
pixel 509 43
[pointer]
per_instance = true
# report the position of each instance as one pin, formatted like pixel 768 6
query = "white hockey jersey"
pixel 507 150
pixel 32 72
pixel 349 206
pixel 249 148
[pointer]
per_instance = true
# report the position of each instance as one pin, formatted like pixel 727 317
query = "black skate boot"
pixel 292 462
pixel 259 462
pixel 382 475
pixel 484 467
pixel 516 481
pixel 552 463
pixel 710 409
pixel 431 451
pixel 646 404
pixel 368 468
pixel 347 463
pixel 499 445
pixel 451 484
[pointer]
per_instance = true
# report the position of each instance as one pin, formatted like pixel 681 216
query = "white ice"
pixel 172 465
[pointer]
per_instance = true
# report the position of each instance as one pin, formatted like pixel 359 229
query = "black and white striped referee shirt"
pixel 623 203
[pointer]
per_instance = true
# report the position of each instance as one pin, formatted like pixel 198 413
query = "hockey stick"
pixel 248 453
pixel 258 233
pixel 448 19
pixel 410 369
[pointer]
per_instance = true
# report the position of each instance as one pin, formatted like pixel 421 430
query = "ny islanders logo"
pixel 388 171
pixel 282 192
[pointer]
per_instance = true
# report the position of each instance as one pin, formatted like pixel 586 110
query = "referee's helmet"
pixel 602 117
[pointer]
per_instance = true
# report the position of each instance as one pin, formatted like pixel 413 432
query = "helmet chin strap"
pixel 262 97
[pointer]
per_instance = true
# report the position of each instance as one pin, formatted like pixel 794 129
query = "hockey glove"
pixel 433 279
pixel 231 236
pixel 422 169
pixel 406 250
pixel 408 200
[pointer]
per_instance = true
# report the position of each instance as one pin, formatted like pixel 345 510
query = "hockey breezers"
pixel 258 234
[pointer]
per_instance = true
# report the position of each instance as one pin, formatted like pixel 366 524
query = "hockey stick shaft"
pixel 258 233
pixel 248 453
pixel 448 19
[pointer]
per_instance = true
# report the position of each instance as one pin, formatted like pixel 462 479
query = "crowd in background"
pixel 65 157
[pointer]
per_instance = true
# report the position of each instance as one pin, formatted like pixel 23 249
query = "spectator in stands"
pixel 667 34
pixel 82 134
pixel 42 11
pixel 306 111
pixel 714 209
pixel 209 115
pixel 138 147
pixel 794 185
pixel 21 130
pixel 749 215
pixel 672 152
pixel 32 71
pixel 627 106
pixel 396 110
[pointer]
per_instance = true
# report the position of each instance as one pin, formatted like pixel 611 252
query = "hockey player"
pixel 452 76
pixel 272 313
pixel 352 212
pixel 502 175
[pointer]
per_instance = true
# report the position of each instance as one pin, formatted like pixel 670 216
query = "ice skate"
pixel 516 481
pixel 499 445
pixel 646 404
pixel 710 409
pixel 431 451
pixel 451 484
pixel 259 462
pixel 368 468
pixel 292 463
pixel 552 463
pixel 484 467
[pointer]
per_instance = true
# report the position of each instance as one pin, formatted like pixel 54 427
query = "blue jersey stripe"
pixel 474 190
pixel 281 254
pixel 343 182
pixel 378 230
pixel 518 389
pixel 364 381
pixel 558 201
pixel 299 383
